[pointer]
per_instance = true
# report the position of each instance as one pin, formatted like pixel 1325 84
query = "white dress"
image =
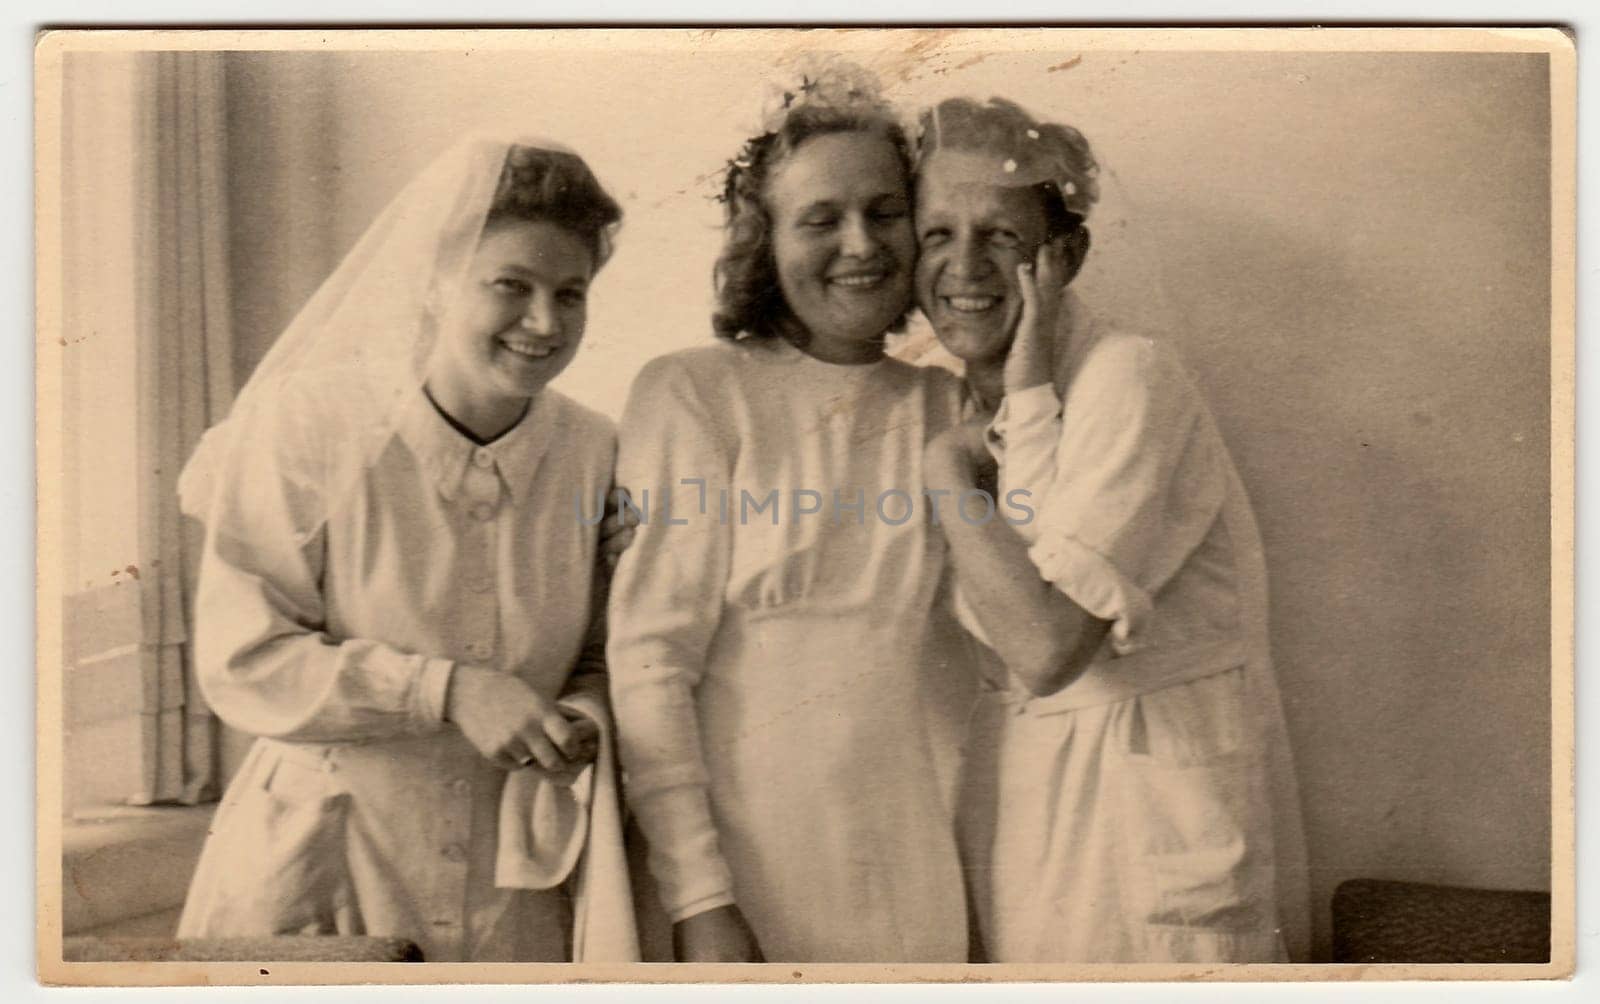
pixel 1147 812
pixel 787 683
pixel 359 811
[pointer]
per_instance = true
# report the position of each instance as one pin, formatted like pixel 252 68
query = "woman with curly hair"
pixel 776 624
pixel 394 597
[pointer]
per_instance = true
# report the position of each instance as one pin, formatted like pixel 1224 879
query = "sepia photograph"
pixel 826 505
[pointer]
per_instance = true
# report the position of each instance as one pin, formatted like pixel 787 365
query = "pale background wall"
pixel 1351 251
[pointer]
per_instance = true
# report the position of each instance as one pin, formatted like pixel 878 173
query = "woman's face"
pixel 520 314
pixel 842 239
pixel 972 235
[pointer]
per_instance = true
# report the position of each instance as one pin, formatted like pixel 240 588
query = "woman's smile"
pixel 861 280
pixel 970 304
pixel 843 243
pixel 530 348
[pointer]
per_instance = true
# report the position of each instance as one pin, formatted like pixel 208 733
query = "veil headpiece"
pixel 369 329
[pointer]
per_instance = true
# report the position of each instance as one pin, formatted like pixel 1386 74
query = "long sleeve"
pixel 590 676
pixel 666 602
pixel 1023 438
pixel 1136 484
pixel 266 663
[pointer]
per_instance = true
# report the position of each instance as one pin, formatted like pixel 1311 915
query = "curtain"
pixel 185 383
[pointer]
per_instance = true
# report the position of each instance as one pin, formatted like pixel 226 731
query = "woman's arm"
pixel 1044 638
pixel 265 660
pixel 666 604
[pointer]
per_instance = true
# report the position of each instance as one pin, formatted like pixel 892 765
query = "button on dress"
pixel 359 811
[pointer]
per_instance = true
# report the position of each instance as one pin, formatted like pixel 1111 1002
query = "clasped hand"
pixel 513 727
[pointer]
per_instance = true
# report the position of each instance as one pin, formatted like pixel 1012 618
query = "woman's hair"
pixel 553 186
pixel 749 301
pixel 1053 159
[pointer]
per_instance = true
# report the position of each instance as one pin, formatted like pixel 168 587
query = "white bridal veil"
pixel 367 333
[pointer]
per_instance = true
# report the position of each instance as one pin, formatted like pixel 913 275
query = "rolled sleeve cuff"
pixel 432 688
pixel 684 857
pixel 1091 581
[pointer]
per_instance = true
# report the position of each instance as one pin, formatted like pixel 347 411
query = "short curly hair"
pixel 553 186
pixel 749 300
pixel 1055 160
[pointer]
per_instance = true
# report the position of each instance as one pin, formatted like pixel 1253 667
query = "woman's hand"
pixel 717 935
pixel 1031 361
pixel 958 459
pixel 616 527
pixel 581 749
pixel 509 724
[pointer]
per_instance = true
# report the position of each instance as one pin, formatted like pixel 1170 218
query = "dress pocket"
pixel 1192 810
pixel 276 862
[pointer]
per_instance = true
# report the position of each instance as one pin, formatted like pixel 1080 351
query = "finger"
pixel 545 754
pixel 1049 267
pixel 617 542
pixel 1064 260
pixel 557 730
pixel 1027 288
pixel 509 761
pixel 628 515
pixel 619 514
pixel 581 735
pixel 583 750
pixel 583 730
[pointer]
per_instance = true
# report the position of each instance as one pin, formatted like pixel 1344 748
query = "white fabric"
pixel 789 691
pixel 375 313
pixel 334 638
pixel 1147 812
pixel 552 832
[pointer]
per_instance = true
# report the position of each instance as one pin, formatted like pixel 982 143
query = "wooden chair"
pixel 1383 921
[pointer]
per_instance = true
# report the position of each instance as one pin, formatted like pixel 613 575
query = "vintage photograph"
pixel 786 505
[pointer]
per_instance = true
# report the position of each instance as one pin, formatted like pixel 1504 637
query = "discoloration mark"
pixel 1069 64
pixel 132 570
pixel 971 61
pixel 77 884
pixel 903 66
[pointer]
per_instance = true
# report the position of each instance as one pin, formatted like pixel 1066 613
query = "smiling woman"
pixel 770 676
pixel 841 222
pixel 515 326
pixel 392 603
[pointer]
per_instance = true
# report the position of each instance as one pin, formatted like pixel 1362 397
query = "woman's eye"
pixel 512 287
pixel 817 222
pixel 1005 239
pixel 934 235
pixel 572 297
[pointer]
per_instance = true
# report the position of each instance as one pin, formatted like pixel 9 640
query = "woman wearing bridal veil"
pixel 394 595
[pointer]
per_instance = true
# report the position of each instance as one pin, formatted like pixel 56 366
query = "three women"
pixel 791 689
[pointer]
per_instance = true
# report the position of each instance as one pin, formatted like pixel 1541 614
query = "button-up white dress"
pixel 786 681
pixel 1147 812
pixel 359 811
